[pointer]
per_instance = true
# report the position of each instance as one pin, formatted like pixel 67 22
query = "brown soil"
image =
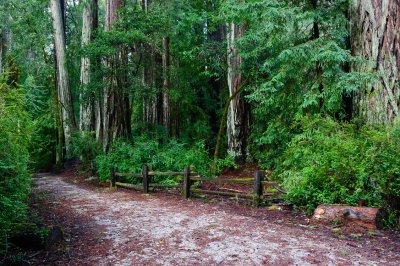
pixel 124 227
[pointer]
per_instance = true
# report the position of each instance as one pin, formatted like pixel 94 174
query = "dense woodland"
pixel 306 89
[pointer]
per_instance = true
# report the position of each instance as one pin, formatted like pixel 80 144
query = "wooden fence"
pixel 189 178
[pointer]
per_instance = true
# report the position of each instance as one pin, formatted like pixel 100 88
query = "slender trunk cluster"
pixel 149 77
pixel 157 107
pixel 376 39
pixel 152 101
pixel 116 106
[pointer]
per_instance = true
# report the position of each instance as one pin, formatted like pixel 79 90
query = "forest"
pixel 307 90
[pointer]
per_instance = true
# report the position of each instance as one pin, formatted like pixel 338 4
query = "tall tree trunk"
pixel 116 107
pixel 64 92
pixel 238 118
pixel 58 124
pixel 166 109
pixel 2 50
pixel 89 24
pixel 376 39
pixel 5 44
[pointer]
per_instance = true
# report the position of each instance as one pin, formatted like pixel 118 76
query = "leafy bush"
pixel 41 147
pixel 225 163
pixel 333 162
pixel 382 164
pixel 86 147
pixel 14 157
pixel 173 156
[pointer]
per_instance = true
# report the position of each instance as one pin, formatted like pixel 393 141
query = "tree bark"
pixel 5 44
pixel 2 50
pixel 376 39
pixel 64 92
pixel 238 118
pixel 221 128
pixel 58 124
pixel 89 24
pixel 166 110
pixel 366 217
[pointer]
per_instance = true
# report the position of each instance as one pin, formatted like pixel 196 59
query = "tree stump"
pixel 367 217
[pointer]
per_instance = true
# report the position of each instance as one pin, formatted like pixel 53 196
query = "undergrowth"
pixel 129 157
pixel 332 162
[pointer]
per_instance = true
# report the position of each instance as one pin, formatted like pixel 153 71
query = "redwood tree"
pixel 376 39
pixel 64 91
pixel 237 119
pixel 89 24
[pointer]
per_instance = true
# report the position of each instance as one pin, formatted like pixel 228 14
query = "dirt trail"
pixel 129 228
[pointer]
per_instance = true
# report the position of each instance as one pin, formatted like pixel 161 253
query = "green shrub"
pixel 333 162
pixel 225 163
pixel 15 132
pixel 173 156
pixel 41 147
pixel 86 147
pixel 382 164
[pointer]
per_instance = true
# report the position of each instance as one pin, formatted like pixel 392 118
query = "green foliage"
pixel 31 29
pixel 201 66
pixel 225 163
pixel 42 144
pixel 86 147
pixel 382 163
pixel 293 69
pixel 172 156
pixel 331 162
pixel 15 132
pixel 295 79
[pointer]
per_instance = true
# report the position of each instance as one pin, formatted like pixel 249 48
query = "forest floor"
pixel 122 227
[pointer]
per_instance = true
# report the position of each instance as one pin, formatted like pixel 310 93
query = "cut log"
pixel 366 217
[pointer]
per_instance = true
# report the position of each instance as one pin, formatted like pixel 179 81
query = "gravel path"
pixel 129 228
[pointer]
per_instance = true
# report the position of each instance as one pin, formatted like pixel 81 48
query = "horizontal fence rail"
pixel 129 174
pixel 222 193
pixel 222 180
pixel 189 178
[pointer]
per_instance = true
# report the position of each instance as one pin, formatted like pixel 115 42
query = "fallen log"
pixel 366 217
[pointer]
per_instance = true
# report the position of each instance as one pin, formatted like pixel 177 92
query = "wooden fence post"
pixel 112 178
pixel 258 188
pixel 145 173
pixel 186 183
